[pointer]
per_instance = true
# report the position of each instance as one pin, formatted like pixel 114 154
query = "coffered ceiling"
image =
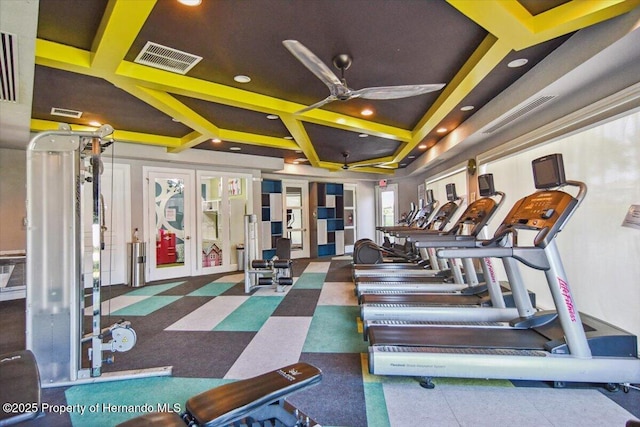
pixel 86 51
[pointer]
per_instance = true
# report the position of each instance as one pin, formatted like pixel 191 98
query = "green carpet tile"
pixel 334 330
pixel 154 289
pixel 251 315
pixel 146 306
pixel 109 403
pixel 376 405
pixel 310 281
pixel 212 289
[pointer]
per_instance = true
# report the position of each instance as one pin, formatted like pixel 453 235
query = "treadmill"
pixel 368 256
pixel 478 302
pixel 570 347
pixel 469 226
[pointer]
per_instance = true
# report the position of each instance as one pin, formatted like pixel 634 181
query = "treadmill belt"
pixel 421 299
pixel 459 337
pixel 399 279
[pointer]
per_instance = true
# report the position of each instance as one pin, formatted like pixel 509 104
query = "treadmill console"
pixel 476 216
pixel 544 211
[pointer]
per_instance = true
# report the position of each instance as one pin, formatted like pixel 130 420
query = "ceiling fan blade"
pixel 327 100
pixel 395 92
pixel 313 63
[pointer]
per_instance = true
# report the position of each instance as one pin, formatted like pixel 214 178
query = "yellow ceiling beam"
pixel 63 57
pixel 508 20
pixel 206 130
pixel 299 134
pixel 120 25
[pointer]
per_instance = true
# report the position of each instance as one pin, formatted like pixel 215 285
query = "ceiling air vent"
pixel 166 58
pixel 8 67
pixel 64 112
pixel 525 109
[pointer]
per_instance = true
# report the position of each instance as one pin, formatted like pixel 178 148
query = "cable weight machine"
pixel 59 163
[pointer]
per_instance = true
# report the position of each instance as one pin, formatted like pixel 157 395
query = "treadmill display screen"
pixel 451 192
pixel 485 185
pixel 548 171
pixel 429 196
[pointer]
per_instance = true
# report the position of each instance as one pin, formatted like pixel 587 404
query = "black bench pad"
pixel 19 383
pixel 222 405
pixel 155 419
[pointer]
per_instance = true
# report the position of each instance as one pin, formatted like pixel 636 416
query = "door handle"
pixel 187 238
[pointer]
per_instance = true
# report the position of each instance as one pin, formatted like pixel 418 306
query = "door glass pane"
pixel 238 197
pixel 224 202
pixel 170 233
pixel 295 222
pixel 388 208
pixel 211 235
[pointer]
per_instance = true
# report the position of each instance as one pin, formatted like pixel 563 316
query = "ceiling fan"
pixel 338 86
pixel 346 166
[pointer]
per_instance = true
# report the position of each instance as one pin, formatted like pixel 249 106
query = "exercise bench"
pixel 257 401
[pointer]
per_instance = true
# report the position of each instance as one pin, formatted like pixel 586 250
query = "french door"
pixel 169 225
pixel 296 206
pixel 224 201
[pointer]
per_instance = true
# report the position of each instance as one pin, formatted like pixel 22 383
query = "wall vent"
pixel 8 67
pixel 64 112
pixel 166 58
pixel 525 109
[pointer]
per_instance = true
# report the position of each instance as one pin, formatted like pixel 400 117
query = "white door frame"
pixel 304 185
pixel 150 173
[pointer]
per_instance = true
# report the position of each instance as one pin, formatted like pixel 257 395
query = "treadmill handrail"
pixel 533 257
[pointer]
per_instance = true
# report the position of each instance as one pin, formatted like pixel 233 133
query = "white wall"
pixel 601 258
pixel 13 193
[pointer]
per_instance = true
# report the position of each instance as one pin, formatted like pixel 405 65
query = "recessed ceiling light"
pixel 422 146
pixel 96 124
pixel 288 137
pixel 272 117
pixel 363 135
pixel 241 78
pixel 412 157
pixel 403 165
pixel 190 2
pixel 467 108
pixel 441 130
pixel 235 148
pixel 216 140
pixel 298 151
pixel 517 63
pixel 366 112
pixel 300 160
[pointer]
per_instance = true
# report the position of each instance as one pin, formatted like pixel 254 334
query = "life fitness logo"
pixel 566 294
